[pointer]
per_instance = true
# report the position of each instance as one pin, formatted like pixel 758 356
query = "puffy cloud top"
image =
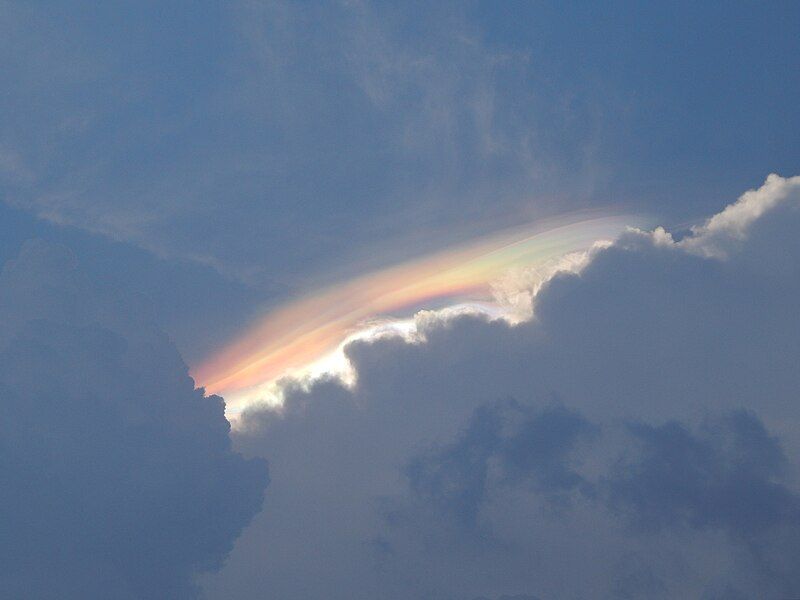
pixel 117 477
pixel 637 438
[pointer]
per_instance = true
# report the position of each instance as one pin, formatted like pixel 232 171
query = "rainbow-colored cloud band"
pixel 290 339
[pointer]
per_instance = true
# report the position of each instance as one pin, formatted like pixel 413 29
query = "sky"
pixel 469 301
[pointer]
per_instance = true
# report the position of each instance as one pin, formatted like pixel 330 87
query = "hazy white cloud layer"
pixel 117 477
pixel 638 438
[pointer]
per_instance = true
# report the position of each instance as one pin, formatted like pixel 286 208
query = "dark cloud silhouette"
pixel 669 468
pixel 720 477
pixel 726 476
pixel 117 477
pixel 519 443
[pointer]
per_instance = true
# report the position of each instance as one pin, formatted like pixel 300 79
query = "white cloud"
pixel 657 385
pixel 721 232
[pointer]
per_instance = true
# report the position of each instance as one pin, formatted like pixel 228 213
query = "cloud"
pixel 708 476
pixel 293 339
pixel 726 476
pixel 241 136
pixel 637 438
pixel 730 227
pixel 117 477
pixel 505 437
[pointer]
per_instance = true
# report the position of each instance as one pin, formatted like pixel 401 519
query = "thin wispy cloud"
pixel 306 337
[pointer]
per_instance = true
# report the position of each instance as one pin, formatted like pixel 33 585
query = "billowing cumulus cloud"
pixel 637 438
pixel 117 477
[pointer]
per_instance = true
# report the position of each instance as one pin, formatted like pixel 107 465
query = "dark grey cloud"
pixel 720 477
pixel 117 477
pixel 667 468
pixel 523 445
pixel 729 475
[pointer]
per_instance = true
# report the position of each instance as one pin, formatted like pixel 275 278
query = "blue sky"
pixel 272 144
pixel 171 171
